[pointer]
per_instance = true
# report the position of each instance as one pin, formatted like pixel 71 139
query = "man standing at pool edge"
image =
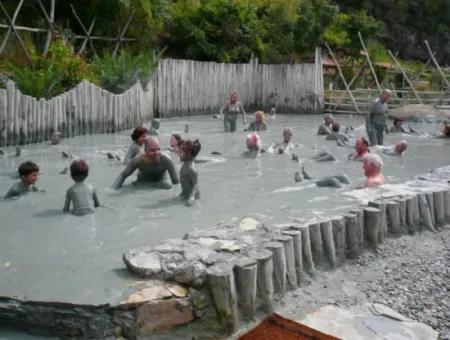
pixel 376 118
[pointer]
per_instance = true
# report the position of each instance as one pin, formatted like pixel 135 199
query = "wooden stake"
pixel 316 243
pixel 264 277
pixel 353 235
pixel 279 266
pixel 222 287
pixel 339 237
pixel 424 211
pixel 393 217
pixel 291 273
pixel 297 242
pixel 372 222
pixel 326 229
pixel 245 271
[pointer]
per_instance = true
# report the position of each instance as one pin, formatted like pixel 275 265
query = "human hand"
pixel 189 202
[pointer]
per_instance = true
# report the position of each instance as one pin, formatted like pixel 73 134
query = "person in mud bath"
pixel 82 196
pixel 254 146
pixel 259 123
pixel 230 111
pixel 154 128
pixel 138 137
pixel 335 134
pixel 394 150
pixel 361 150
pixel 188 150
pixel 286 145
pixel 373 164
pixel 397 127
pixel 325 127
pixel 152 166
pixel 56 138
pixel 376 118
pixel 28 172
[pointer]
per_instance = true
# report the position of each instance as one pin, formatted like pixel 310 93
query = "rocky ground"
pixel 410 274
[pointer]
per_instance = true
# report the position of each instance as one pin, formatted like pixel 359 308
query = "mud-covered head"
pixel 155 123
pixel 335 127
pixel 287 134
pixel 398 122
pixel 373 164
pixel 361 146
pixel 152 148
pixel 28 172
pixel 79 170
pixel 328 118
pixel 233 97
pixel 139 134
pixel 385 95
pixel 189 149
pixel 253 141
pixel 56 137
pixel 259 116
pixel 400 147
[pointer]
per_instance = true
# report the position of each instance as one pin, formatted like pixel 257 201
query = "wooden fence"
pixel 177 88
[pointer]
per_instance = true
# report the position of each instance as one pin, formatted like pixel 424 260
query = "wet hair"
pixel 193 147
pixel 328 116
pixel 288 130
pixel 364 141
pixel 255 140
pixel 402 145
pixel 79 170
pixel 374 159
pixel 27 168
pixel 148 141
pixel 177 136
pixel 260 114
pixel 335 127
pixel 397 120
pixel 138 132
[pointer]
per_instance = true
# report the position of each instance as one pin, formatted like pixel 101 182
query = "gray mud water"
pixel 48 255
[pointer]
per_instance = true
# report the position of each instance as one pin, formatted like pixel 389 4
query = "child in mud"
pixel 188 150
pixel 57 138
pixel 138 136
pixel 28 172
pixel 254 146
pixel 152 166
pixel 259 123
pixel 82 196
pixel 397 127
pixel 335 135
pixel 154 128
pixel 373 164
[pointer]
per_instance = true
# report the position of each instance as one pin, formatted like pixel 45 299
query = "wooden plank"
pixel 3 117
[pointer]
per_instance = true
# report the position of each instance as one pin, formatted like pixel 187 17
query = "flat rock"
pixel 248 223
pixel 162 315
pixel 143 262
pixel 149 294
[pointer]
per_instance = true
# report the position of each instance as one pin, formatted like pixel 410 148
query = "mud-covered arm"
pixel 193 178
pixel 67 201
pixel 241 109
pixel 95 198
pixel 132 152
pixel 131 167
pixel 174 177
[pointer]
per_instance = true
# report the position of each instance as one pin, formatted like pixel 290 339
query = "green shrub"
pixel 37 82
pixel 118 74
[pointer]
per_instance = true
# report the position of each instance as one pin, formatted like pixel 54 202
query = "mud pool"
pixel 48 255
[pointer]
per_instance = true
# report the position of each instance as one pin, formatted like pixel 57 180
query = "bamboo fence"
pixel 177 88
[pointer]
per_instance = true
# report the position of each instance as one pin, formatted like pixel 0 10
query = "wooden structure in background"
pixel 177 88
pixel 357 100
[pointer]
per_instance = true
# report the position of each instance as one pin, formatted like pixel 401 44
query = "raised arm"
pixel 131 167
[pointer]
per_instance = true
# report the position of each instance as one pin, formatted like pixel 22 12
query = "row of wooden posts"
pixel 268 271
pixel 177 88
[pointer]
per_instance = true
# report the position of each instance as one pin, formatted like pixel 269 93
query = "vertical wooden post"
pixel 326 229
pixel 291 273
pixel 3 117
pixel 265 288
pixel 372 222
pixel 353 232
pixel 297 242
pixel 279 266
pixel 246 273
pixel 223 290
